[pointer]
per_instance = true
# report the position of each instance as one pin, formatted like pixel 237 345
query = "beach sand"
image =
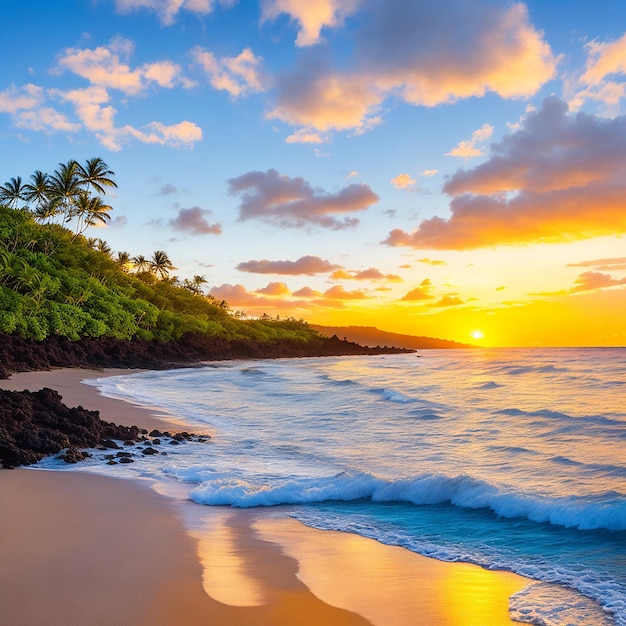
pixel 79 549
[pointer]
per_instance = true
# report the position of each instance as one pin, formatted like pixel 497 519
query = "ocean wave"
pixel 549 414
pixel 463 491
pixel 532 369
pixel 491 384
pixel 394 396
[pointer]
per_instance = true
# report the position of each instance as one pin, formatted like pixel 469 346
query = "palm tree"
pixel 124 261
pixel 194 285
pixel 65 187
pixel 104 247
pixel 12 192
pixel 38 190
pixel 160 264
pixel 88 211
pixel 96 174
pixel 141 264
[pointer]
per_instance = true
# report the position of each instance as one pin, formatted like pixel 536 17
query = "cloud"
pixel 419 293
pixel 420 53
pixel 168 9
pixel 447 301
pixel 98 116
pixel 402 181
pixel 304 266
pixel 430 261
pixel 559 177
pixel 194 222
pixel 168 189
pixel 45 119
pixel 618 263
pixel 107 66
pixel 429 173
pixel 238 75
pixel 606 61
pixel 314 95
pixel 292 202
pixel 16 99
pixel 589 281
pixel 312 15
pixel 468 149
pixel 274 289
pixel 304 135
pixel 306 292
pixel 370 273
pixel 337 292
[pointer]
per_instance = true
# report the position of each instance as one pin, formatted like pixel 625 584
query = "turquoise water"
pixel 511 459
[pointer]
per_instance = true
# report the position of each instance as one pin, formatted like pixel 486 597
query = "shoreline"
pixel 108 540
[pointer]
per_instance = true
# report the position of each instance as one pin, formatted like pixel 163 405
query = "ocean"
pixel 511 459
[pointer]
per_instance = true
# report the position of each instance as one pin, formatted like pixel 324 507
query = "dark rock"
pixel 109 444
pixel 148 451
pixel 123 455
pixel 155 433
pixel 111 462
pixel 126 459
pixel 72 455
pixel 173 442
pixel 156 442
pixel 129 443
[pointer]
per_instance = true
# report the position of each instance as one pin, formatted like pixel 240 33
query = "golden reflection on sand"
pixel 391 585
pixel 225 576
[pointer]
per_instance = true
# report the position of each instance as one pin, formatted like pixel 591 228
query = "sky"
pixel 450 169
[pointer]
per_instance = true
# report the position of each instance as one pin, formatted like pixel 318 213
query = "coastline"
pixel 122 550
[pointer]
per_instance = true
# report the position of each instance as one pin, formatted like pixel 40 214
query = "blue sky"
pixel 423 169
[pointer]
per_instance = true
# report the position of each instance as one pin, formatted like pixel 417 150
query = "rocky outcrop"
pixel 18 354
pixel 36 424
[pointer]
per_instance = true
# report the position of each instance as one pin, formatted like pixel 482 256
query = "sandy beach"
pixel 84 549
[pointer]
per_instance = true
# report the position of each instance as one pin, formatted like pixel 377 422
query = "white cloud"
pixel 467 149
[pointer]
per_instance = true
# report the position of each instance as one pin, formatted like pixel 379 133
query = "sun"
pixel 477 334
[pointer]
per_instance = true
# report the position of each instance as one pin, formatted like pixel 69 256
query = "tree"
pixel 195 284
pixel 38 191
pixel 124 261
pixel 160 264
pixel 65 187
pixel 141 264
pixel 96 174
pixel 88 211
pixel 12 192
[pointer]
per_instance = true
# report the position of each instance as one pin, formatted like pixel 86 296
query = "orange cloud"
pixel 618 263
pixel 604 59
pixel 447 301
pixel 238 75
pixel 430 261
pixel 402 181
pixel 419 293
pixel 572 164
pixel 306 265
pixel 337 292
pixel 589 281
pixel 468 149
pixel 306 292
pixel 370 273
pixel 274 289
pixel 312 15
pixel 402 50
pixel 304 135
pixel 292 202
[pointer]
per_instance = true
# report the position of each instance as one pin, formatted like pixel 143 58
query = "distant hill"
pixel 371 336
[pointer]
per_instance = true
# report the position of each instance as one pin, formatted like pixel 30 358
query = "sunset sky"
pixel 426 167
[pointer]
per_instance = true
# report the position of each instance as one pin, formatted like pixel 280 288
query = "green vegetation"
pixel 55 281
